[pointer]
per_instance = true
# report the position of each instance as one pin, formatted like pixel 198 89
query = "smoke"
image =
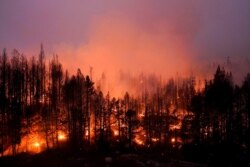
pixel 122 40
pixel 163 39
pixel 123 47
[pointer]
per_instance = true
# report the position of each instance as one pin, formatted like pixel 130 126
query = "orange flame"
pixel 61 136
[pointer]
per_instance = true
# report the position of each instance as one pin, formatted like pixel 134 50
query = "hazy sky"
pixel 161 36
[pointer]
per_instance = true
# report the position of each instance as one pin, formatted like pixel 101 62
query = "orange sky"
pixel 161 37
pixel 120 45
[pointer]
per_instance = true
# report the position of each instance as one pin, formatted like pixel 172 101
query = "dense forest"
pixel 43 107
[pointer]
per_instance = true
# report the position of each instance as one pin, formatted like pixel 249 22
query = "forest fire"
pixel 75 114
pixel 32 143
pixel 94 117
pixel 125 83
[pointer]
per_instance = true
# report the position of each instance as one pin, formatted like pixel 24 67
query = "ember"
pixel 173 140
pixel 61 136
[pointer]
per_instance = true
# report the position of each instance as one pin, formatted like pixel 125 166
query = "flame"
pixel 140 136
pixel 61 136
pixel 36 144
pixel 155 139
pixel 116 133
pixel 141 115
pixel 36 147
pixel 175 127
pixel 138 141
pixel 173 140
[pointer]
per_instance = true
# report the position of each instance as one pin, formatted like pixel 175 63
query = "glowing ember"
pixel 61 137
pixel 173 140
pixel 116 133
pixel 155 139
pixel 175 127
pixel 141 115
pixel 139 142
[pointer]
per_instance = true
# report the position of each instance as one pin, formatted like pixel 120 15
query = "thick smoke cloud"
pixel 121 45
pixel 127 38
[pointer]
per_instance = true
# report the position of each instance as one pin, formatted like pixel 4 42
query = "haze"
pixel 161 37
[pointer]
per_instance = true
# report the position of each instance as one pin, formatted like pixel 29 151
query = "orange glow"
pixel 155 139
pixel 116 133
pixel 141 115
pixel 200 84
pixel 180 115
pixel 138 141
pixel 175 127
pixel 140 136
pixel 173 140
pixel 61 137
pixel 36 147
pixel 36 144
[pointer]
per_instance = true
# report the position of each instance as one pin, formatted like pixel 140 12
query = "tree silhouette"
pixel 38 100
pixel 219 100
pixel 246 107
pixel 132 122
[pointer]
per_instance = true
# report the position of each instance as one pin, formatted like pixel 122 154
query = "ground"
pixel 59 158
pixel 116 158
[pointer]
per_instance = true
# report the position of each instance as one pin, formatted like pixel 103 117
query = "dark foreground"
pixel 133 158
pixel 89 160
